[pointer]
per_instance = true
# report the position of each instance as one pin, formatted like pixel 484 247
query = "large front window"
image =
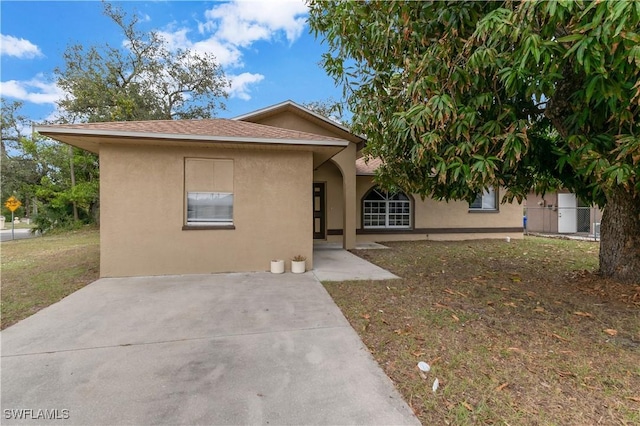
pixel 208 184
pixel 381 209
pixel 209 208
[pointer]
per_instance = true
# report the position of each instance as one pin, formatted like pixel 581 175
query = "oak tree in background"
pixel 458 96
pixel 329 108
pixel 18 173
pixel 38 171
pixel 142 79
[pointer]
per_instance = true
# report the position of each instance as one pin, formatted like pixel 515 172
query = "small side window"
pixel 487 201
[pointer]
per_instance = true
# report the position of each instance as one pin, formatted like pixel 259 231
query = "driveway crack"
pixel 188 339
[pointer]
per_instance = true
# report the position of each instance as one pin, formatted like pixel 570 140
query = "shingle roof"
pixel 366 166
pixel 218 127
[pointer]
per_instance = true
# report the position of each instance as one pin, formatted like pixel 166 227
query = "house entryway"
pixel 319 219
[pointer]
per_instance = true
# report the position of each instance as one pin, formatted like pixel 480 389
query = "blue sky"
pixel 264 47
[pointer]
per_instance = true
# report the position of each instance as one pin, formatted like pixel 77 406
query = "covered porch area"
pixel 334 200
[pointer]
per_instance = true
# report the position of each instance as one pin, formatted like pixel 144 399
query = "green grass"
pixel 515 332
pixel 40 271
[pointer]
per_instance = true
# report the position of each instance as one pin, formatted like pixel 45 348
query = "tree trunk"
pixel 95 211
pixel 73 183
pixel 620 237
pixel 27 207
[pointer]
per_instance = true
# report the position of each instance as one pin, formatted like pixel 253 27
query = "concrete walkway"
pixel 201 349
pixel 332 263
pixel 577 237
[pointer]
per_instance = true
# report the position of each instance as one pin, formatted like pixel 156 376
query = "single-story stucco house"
pixel 230 195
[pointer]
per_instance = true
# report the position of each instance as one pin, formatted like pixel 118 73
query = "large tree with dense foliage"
pixel 19 174
pixel 141 79
pixel 56 184
pixel 458 96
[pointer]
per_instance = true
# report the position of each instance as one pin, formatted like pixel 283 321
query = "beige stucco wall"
pixel 542 213
pixel 289 120
pixel 142 212
pixel 380 238
pixel 345 161
pixel 432 214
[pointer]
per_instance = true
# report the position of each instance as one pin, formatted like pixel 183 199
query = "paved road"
pixel 20 234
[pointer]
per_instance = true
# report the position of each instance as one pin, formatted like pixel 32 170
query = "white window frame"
pixel 487 201
pixel 215 219
pixel 375 209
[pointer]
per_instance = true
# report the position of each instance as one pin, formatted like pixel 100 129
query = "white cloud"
pixel 226 54
pixel 240 84
pixel 206 27
pixel 245 22
pixel 176 39
pixel 229 28
pixel 35 90
pixel 18 47
pixel 239 24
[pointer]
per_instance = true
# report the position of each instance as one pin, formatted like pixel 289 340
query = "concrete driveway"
pixel 200 349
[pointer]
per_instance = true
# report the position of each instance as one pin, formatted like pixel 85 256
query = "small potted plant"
pixel 277 266
pixel 299 264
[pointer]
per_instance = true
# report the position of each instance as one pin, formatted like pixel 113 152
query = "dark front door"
pixel 318 211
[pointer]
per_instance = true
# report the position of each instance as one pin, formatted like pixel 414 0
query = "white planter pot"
pixel 277 266
pixel 298 266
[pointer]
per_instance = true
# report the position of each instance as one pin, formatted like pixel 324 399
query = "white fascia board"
pixel 180 136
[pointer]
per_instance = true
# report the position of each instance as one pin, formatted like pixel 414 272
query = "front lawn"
pixel 40 271
pixel 516 333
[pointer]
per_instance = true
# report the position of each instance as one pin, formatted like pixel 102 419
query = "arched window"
pixel 381 209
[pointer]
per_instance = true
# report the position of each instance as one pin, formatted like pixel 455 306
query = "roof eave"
pixel 52 131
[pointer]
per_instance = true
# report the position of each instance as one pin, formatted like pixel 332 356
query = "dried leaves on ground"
pixel 516 333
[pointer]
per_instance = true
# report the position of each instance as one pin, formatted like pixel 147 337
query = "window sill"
pixel 483 211
pixel 384 231
pixel 206 227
